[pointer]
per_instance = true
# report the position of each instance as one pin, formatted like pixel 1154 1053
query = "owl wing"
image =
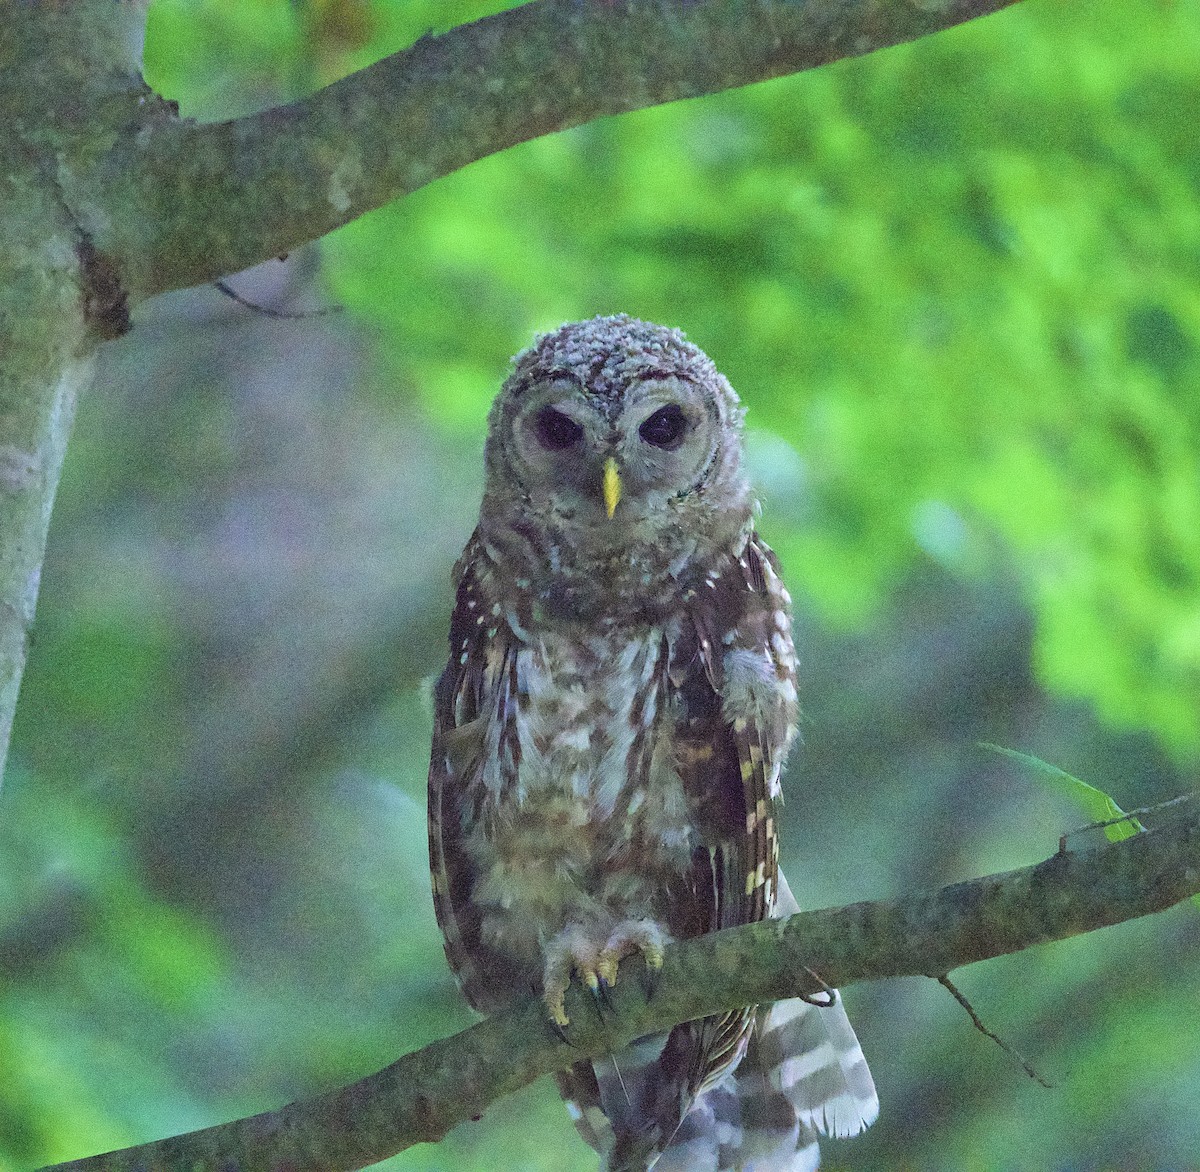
pixel 474 702
pixel 737 684
pixel 802 1072
pixel 738 687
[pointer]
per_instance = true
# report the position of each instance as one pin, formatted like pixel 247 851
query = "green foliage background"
pixel 955 284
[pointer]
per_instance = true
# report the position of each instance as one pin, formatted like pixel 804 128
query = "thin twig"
pixel 1026 1066
pixel 1127 816
pixel 825 998
pixel 280 314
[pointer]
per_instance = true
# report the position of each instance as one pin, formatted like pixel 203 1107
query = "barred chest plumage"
pixel 583 816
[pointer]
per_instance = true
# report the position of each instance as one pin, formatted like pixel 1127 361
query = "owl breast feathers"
pixel 609 735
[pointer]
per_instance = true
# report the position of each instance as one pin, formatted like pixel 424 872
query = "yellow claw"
pixel 556 1009
pixel 612 486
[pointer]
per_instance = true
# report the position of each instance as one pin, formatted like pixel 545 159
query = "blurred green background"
pixel 956 284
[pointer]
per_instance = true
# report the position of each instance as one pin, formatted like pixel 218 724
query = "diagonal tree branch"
pixel 423 1095
pixel 272 181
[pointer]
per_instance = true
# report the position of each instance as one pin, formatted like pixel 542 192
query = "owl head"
pixel 614 465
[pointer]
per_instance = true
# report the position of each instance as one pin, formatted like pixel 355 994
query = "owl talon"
pixel 602 997
pixel 650 976
pixel 555 1009
pixel 598 987
pixel 575 951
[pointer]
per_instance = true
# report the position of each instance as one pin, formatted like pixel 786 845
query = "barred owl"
pixel 609 735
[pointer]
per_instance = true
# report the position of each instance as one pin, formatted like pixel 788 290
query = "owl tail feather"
pixel 803 1074
pixel 814 1061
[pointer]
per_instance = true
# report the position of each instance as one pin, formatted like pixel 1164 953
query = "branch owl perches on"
pixel 609 737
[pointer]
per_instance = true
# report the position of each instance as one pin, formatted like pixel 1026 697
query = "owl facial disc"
pixel 614 466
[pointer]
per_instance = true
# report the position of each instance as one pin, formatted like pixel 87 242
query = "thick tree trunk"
pixel 66 91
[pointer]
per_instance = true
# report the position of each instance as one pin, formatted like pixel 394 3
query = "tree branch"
pixel 275 180
pixel 423 1095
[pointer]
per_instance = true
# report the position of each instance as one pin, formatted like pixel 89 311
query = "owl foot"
pixel 595 959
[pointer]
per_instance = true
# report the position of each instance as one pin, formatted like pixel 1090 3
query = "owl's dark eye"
pixel 555 430
pixel 665 428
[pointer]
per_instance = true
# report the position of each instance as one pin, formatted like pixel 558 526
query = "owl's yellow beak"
pixel 612 486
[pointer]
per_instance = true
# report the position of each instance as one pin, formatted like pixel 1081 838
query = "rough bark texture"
pixel 201 201
pixel 63 85
pixel 420 1097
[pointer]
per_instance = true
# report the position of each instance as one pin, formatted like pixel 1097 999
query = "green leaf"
pixel 1098 806
pixel 1095 803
